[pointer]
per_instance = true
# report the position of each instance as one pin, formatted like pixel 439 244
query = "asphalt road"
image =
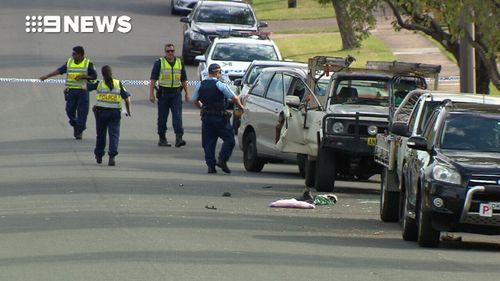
pixel 63 217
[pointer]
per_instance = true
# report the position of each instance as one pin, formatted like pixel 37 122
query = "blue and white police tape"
pixel 126 82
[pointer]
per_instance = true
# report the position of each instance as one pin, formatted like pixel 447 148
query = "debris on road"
pixel 291 203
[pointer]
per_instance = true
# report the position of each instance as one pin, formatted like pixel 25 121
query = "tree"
pixel 353 20
pixel 440 20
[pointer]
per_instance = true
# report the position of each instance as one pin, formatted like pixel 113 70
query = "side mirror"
pixel 200 58
pixel 263 24
pixel 185 20
pixel 400 129
pixel 292 101
pixel 417 142
pixel 237 82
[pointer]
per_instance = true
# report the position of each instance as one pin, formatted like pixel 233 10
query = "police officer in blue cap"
pixel 210 96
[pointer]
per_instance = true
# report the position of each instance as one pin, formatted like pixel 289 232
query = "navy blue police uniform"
pixel 107 113
pixel 215 120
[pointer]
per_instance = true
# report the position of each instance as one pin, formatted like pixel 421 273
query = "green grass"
pixel 494 91
pixel 278 10
pixel 303 47
pixel 326 29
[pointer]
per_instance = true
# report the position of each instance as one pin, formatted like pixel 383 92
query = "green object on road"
pixel 325 199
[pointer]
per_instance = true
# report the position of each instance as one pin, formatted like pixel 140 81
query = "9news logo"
pixel 78 24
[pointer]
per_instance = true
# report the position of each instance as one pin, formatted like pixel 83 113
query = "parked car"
pixel 244 84
pixel 182 6
pixel 208 18
pixel 275 92
pixel 452 179
pixel 235 53
pixel 392 151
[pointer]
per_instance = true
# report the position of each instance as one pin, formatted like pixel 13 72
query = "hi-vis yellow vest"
pixel 74 70
pixel 109 98
pixel 170 77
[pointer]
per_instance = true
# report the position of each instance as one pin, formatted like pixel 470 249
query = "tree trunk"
pixel 482 77
pixel 347 34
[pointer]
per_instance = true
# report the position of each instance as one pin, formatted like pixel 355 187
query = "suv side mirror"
pixel 200 58
pixel 185 20
pixel 292 101
pixel 417 142
pixel 400 129
pixel 237 82
pixel 262 24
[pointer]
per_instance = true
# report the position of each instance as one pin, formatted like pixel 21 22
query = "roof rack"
pixel 320 66
pixel 405 67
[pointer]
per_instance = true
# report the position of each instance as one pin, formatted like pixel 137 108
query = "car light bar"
pixel 224 33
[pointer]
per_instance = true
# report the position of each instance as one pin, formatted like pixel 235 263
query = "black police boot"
pixel 179 141
pixel 98 159
pixel 111 161
pixel 78 133
pixel 223 165
pixel 163 141
pixel 212 170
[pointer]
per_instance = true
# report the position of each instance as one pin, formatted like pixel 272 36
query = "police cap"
pixel 213 68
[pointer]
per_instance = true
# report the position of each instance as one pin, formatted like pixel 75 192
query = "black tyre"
pixel 325 171
pixel 187 59
pixel 310 172
pixel 389 200
pixel 427 236
pixel 301 161
pixel 408 224
pixel 173 11
pixel 251 160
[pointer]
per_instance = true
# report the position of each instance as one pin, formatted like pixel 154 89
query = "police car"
pixel 235 52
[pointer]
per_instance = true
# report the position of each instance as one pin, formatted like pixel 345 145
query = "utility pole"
pixel 467 62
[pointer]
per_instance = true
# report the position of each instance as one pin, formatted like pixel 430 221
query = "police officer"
pixel 107 111
pixel 210 96
pixel 170 75
pixel 79 70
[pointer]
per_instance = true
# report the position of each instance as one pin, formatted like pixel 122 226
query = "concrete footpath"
pixel 406 46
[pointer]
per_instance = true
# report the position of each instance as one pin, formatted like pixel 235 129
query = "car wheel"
pixel 427 236
pixel 325 171
pixel 409 225
pixel 389 200
pixel 251 160
pixel 310 172
pixel 363 177
pixel 173 11
pixel 301 161
pixel 187 59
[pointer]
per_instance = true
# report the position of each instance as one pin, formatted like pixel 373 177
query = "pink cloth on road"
pixel 291 203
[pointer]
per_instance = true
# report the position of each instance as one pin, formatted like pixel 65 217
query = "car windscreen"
pixel 243 52
pixel 229 15
pixel 368 92
pixel 471 132
pixel 254 73
pixel 320 87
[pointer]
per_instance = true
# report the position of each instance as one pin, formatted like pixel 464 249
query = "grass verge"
pixel 278 10
pixel 300 48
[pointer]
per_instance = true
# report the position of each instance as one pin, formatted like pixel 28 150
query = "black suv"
pixel 452 177
pixel 208 19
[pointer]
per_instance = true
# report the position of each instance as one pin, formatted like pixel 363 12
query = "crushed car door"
pixel 299 121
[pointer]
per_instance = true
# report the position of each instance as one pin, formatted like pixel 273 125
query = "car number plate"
pixel 371 141
pixel 495 205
